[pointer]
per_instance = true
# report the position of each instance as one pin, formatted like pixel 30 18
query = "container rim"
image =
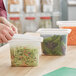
pixel 54 31
pixel 22 37
pixel 66 23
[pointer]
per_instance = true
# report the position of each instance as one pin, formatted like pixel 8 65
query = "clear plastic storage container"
pixel 30 25
pixel 45 22
pixel 14 6
pixel 16 21
pixel 46 6
pixel 56 17
pixel 69 25
pixel 30 6
pixel 55 41
pixel 25 50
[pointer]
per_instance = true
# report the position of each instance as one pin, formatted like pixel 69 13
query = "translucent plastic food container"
pixel 30 24
pixel 69 25
pixel 55 41
pixel 45 22
pixel 25 50
pixel 16 21
pixel 55 18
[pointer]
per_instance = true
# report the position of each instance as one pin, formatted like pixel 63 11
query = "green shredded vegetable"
pixel 22 56
pixel 54 45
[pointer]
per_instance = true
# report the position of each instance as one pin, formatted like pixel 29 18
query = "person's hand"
pixel 7 23
pixel 5 33
pixel 7 30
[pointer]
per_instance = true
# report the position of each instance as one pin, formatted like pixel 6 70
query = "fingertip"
pixel 10 38
pixel 6 42
pixel 1 41
pixel 11 33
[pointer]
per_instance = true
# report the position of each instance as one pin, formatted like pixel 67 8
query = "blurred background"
pixel 30 15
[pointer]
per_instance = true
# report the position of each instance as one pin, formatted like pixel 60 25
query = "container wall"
pixel 54 45
pixel 72 35
pixel 25 54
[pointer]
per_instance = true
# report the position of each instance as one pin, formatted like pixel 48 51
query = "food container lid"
pixel 14 18
pixel 54 31
pixel 45 17
pixel 66 23
pixel 30 18
pixel 21 37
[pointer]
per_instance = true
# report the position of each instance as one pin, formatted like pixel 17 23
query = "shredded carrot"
pixel 21 56
pixel 26 54
pixel 12 57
